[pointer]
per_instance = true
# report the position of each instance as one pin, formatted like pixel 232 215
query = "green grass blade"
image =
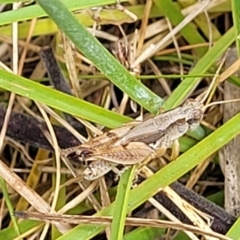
pixel 9 205
pixel 165 176
pixel 188 84
pixel 121 204
pixel 35 11
pixel 144 233
pixel 46 26
pixel 189 32
pixel 101 58
pixel 234 233
pixel 24 226
pixel 59 100
pixel 236 21
pixel 13 1
pixel 202 23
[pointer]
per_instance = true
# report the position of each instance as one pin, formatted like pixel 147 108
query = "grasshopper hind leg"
pixel 97 169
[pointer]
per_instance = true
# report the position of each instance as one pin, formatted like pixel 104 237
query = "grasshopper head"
pixel 194 113
pixel 83 153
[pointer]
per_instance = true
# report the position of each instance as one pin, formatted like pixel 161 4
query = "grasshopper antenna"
pixel 219 102
pixel 209 93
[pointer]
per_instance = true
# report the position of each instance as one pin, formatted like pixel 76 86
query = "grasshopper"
pixel 130 145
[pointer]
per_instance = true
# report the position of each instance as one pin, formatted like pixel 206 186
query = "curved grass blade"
pixel 189 84
pixel 46 26
pixel 98 55
pixel 59 100
pixel 166 175
pixel 35 11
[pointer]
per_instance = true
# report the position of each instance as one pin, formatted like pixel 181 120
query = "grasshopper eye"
pixel 72 156
pixel 83 154
pixel 79 152
pixel 198 114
